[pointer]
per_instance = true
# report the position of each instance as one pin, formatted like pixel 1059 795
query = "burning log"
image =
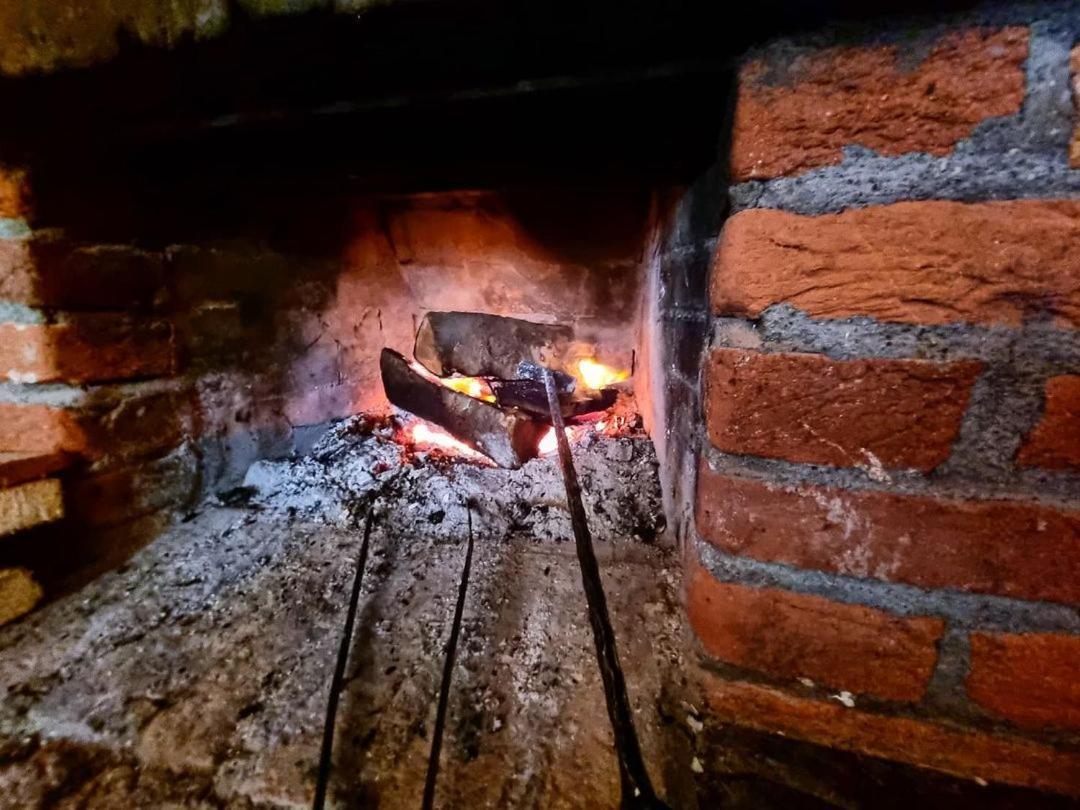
pixel 507 438
pixel 531 396
pixel 479 345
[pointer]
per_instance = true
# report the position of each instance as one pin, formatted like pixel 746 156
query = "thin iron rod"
pixel 326 754
pixel 637 790
pixel 448 672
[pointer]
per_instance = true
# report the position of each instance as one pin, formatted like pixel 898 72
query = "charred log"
pixel 507 438
pixel 531 397
pixel 479 345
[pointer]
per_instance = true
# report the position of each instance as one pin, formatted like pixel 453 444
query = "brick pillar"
pixel 88 403
pixel 888 497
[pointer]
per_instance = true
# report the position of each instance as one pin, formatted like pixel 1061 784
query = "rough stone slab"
pixel 30 504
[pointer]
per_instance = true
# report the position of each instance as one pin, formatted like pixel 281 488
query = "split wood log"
pixel 507 438
pixel 480 345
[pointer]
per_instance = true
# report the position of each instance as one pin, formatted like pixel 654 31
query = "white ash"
pixel 619 479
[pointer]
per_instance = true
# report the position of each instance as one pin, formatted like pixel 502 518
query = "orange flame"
pixel 473 386
pixel 596 375
pixel 423 434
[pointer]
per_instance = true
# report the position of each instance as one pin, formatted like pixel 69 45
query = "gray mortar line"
pixel 784 328
pixel 1041 487
pixel 964 611
pixel 11 312
pixel 61 395
pixel 13 228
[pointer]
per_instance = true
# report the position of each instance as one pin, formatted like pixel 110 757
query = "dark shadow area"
pixel 750 770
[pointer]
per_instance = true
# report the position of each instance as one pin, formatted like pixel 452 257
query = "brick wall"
pixel 885 554
pixel 91 405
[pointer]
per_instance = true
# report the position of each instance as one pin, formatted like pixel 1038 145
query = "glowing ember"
pixel 421 434
pixel 549 443
pixel 596 375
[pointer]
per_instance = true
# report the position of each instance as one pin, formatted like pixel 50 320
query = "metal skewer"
pixel 637 790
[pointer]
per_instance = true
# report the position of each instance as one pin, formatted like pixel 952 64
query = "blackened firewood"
pixel 531 396
pixel 507 438
pixel 479 345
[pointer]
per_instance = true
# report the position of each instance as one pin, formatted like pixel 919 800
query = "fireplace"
pixel 289 335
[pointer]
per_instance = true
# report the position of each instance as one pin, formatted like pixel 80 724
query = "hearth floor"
pixel 198 674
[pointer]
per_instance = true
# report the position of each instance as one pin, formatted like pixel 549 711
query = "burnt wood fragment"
pixel 507 438
pixel 531 396
pixel 480 345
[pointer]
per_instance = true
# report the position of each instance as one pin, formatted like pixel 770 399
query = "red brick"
pixel 49 271
pixel 15 468
pixel 91 349
pixel 792 635
pixel 121 495
pixel 933 262
pixel 930 745
pixel 121 428
pixel 1012 548
pixel 806 407
pixel 1032 679
pixel 1055 441
pixel 14 192
pixel 866 96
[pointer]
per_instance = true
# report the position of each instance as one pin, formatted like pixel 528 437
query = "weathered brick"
pixel 1012 548
pixel 24 506
pixel 1032 679
pixel 34 428
pixel 121 495
pixel 47 270
pixel 14 192
pixel 834 97
pixel 932 262
pixel 116 428
pixel 16 468
pixel 929 745
pixel 806 407
pixel 19 593
pixel 88 349
pixel 1055 441
pixel 792 635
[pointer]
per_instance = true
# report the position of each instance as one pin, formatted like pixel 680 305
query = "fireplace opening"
pixel 538 405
